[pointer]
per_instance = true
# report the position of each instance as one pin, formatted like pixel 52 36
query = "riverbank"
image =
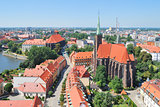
pixel 13 55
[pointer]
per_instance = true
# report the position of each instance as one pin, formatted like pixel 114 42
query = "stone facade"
pixel 122 71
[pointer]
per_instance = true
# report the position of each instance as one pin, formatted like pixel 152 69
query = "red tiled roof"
pixel 46 76
pixel 33 72
pixel 114 51
pixel 77 97
pixel 83 55
pixel 60 59
pixel 153 86
pixel 74 88
pixel 131 57
pixel 36 102
pixel 55 39
pixel 150 48
pixel 35 42
pixel 31 87
pixel 82 71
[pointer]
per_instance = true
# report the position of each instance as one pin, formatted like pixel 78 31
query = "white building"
pixel 150 93
pixel 29 43
pixel 153 50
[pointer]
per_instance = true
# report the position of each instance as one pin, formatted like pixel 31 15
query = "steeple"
pixel 98 26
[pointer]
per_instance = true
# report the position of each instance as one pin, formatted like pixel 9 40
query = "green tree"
pixel 58 48
pixel 100 77
pixel 144 57
pixel 130 49
pixel 50 93
pixel 137 51
pixel 103 100
pixel 61 97
pixel 10 44
pixel 38 55
pixel 8 87
pixel 116 84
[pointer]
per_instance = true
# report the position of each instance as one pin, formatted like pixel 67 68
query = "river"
pixel 8 62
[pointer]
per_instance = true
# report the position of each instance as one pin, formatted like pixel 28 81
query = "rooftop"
pixel 35 42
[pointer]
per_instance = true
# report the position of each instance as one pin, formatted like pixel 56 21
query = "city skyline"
pixel 82 13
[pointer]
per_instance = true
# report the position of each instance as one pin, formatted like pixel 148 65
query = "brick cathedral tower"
pixel 97 42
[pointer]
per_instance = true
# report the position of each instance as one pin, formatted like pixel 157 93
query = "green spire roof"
pixel 98 27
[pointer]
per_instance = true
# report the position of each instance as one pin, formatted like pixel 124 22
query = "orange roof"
pixel 74 89
pixel 150 48
pixel 83 55
pixel 114 51
pixel 153 86
pixel 131 56
pixel 55 39
pixel 35 42
pixel 31 87
pixel 82 71
pixel 60 59
pixel 71 42
pixel 123 92
pixel 77 97
pixel 33 72
pixel 36 102
pixel 46 76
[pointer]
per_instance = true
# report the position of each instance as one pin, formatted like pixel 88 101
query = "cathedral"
pixel 115 58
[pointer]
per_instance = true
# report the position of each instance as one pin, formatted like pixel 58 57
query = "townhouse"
pixel 81 58
pixel 75 90
pixel 38 80
pixel 150 93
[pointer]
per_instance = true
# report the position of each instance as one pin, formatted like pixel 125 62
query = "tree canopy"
pixel 103 100
pixel 74 47
pixel 116 84
pixel 100 77
pixel 130 49
pixel 8 87
pixel 37 55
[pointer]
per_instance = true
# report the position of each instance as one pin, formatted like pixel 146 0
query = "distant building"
pixel 33 42
pixel 81 58
pixel 153 50
pixel 51 42
pixel 36 102
pixel 150 93
pixel 81 43
pixel 55 39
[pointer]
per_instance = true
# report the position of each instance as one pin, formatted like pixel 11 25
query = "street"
pixel 53 101
pixel 134 97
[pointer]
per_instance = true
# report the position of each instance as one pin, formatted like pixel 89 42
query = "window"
pixel 156 100
pixel 151 95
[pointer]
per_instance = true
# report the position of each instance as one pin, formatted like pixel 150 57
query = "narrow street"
pixel 133 95
pixel 53 101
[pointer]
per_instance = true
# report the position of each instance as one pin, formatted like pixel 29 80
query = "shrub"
pixel 50 93
pixel 62 97
pixel 8 87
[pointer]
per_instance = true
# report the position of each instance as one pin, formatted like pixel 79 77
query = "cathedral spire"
pixel 98 26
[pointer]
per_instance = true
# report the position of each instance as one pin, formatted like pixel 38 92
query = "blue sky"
pixel 79 13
